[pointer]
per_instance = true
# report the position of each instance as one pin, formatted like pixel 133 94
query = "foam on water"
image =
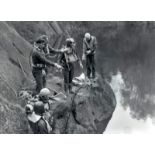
pixel 122 122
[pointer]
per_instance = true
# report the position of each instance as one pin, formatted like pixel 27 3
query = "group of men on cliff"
pixel 38 115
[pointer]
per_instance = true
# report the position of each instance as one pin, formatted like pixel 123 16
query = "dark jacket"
pixel 38 58
pixel 39 127
pixel 91 45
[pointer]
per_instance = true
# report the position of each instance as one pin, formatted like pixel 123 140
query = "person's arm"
pixel 84 47
pixel 53 50
pixel 79 61
pixel 78 58
pixel 94 45
pixel 64 50
pixel 44 60
pixel 61 58
pixel 84 50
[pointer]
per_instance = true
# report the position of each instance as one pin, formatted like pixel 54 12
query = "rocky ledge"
pixel 88 110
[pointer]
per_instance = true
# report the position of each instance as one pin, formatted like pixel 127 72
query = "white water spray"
pixel 122 122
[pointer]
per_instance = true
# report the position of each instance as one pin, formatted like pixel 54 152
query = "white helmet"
pixel 44 92
pixel 87 35
pixel 72 40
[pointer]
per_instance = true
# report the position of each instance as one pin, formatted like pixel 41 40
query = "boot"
pixel 70 89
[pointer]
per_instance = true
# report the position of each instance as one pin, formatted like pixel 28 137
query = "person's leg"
pixel 71 76
pixel 88 66
pixel 44 77
pixel 66 78
pixel 37 73
pixel 44 81
pixel 93 66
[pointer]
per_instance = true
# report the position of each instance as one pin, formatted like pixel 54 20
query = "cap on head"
pixel 45 38
pixel 70 41
pixel 39 108
pixel 28 109
pixel 44 92
pixel 42 39
pixel 87 36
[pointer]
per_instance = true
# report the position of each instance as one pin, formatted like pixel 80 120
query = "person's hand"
pixel 58 66
pixel 81 65
pixel 88 52
pixel 62 50
pixel 43 72
pixel 83 57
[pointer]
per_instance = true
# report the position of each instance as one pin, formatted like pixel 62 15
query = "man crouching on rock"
pixel 40 63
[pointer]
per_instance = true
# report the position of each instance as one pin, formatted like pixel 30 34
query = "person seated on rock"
pixel 40 63
pixel 36 120
pixel 68 58
pixel 44 97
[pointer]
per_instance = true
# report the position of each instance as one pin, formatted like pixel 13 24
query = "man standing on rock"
pixel 89 48
pixel 40 63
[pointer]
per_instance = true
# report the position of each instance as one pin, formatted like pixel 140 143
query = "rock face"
pixel 88 111
pixel 15 70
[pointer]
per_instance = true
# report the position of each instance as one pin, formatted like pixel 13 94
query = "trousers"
pixel 90 65
pixel 68 76
pixel 40 78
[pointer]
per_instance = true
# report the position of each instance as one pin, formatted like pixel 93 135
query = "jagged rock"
pixel 87 111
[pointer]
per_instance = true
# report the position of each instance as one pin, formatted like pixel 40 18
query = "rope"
pixel 72 105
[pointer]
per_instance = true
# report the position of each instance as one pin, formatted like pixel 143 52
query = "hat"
pixel 44 92
pixel 70 41
pixel 42 39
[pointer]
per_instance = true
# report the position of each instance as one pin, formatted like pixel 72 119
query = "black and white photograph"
pixel 77 77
